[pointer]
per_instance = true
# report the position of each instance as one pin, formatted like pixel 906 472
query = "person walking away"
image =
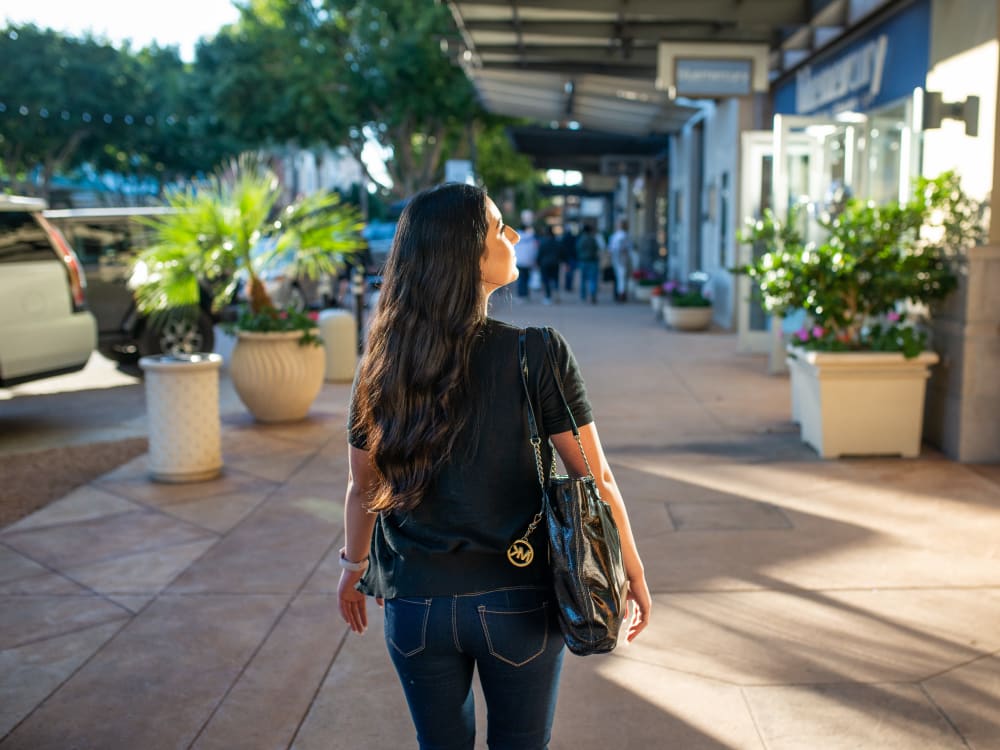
pixel 548 263
pixel 568 256
pixel 442 481
pixel 527 257
pixel 620 248
pixel 587 257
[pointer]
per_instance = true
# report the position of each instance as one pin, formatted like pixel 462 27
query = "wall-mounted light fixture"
pixel 936 110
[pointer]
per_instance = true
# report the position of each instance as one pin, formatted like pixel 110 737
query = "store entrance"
pixel 757 194
pixel 810 166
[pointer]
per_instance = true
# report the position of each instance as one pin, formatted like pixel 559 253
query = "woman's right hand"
pixel 639 606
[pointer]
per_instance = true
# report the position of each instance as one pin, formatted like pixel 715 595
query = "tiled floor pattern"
pixel 800 604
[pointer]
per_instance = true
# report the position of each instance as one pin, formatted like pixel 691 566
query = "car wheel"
pixel 181 336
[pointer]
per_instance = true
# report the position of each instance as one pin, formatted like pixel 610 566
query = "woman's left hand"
pixel 641 605
pixel 353 607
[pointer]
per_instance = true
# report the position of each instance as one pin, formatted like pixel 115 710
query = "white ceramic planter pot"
pixel 276 378
pixel 182 406
pixel 687 318
pixel 860 403
pixel 340 342
pixel 656 301
pixel 642 293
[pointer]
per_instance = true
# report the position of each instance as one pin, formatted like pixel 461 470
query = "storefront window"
pixel 885 170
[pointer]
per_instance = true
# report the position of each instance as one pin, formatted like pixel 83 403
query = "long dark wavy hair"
pixel 412 394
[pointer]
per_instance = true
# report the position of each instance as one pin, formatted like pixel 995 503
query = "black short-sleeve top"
pixel 455 541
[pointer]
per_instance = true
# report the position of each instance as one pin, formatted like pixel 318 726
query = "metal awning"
pixel 593 63
pixel 630 106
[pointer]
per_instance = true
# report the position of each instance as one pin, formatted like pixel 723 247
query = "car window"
pixel 23 239
pixel 97 239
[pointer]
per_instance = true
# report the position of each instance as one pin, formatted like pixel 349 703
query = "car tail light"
pixel 77 279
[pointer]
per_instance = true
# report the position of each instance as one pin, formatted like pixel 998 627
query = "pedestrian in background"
pixel 549 249
pixel 527 258
pixel 568 247
pixel 587 258
pixel 620 249
pixel 442 480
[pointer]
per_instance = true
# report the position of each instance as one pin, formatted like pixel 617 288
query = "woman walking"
pixel 443 479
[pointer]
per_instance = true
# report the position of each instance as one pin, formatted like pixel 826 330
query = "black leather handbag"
pixel 585 554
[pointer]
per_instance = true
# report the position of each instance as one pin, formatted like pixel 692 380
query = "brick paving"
pixel 800 604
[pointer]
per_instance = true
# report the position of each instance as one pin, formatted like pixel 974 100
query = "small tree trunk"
pixel 260 300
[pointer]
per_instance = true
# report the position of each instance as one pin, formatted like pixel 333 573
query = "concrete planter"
pixel 859 403
pixel 276 378
pixel 657 303
pixel 182 404
pixel 642 293
pixel 687 318
pixel 339 334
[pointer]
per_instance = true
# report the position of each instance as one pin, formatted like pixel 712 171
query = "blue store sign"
pixel 883 65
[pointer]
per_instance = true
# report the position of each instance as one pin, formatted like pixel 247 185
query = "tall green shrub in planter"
pixel 874 259
pixel 212 234
pixel 866 289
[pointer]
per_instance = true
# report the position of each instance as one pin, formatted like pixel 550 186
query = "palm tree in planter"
pixel 234 229
pixel 859 366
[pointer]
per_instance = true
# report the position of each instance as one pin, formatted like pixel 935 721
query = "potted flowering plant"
pixel 235 229
pixel 686 308
pixel 644 281
pixel 860 363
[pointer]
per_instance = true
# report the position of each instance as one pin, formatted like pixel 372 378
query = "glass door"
pixel 819 163
pixel 757 191
pixel 756 173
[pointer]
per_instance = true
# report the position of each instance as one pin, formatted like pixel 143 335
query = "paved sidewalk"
pixel 800 604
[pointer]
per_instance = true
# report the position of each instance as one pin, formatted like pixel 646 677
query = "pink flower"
pixel 802 334
pixel 893 316
pixel 817 332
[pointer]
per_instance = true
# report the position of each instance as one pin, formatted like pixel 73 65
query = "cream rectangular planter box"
pixel 859 403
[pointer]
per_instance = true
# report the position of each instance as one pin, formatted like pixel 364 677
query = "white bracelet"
pixel 354 567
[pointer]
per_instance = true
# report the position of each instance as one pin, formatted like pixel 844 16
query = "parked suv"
pixel 108 241
pixel 45 326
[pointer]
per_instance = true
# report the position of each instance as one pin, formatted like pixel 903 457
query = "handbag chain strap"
pixel 520 552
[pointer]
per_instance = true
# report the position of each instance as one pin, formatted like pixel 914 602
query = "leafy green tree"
pixel 182 133
pixel 397 82
pixel 498 164
pixel 267 78
pixel 63 100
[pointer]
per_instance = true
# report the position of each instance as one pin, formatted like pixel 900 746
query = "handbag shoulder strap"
pixel 557 377
pixel 553 366
pixel 536 441
pixel 522 356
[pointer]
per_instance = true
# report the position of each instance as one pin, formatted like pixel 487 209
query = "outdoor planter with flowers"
pixel 859 366
pixel 277 365
pixel 656 301
pixel 643 283
pixel 685 309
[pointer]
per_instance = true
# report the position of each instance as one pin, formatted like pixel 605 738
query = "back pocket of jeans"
pixel 516 637
pixel 406 624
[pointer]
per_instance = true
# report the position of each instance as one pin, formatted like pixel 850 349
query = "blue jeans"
pixel 523 277
pixel 588 279
pixel 510 635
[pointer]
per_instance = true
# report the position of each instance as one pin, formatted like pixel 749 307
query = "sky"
pixel 172 23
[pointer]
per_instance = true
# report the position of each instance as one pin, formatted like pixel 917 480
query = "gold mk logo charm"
pixel 520 553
